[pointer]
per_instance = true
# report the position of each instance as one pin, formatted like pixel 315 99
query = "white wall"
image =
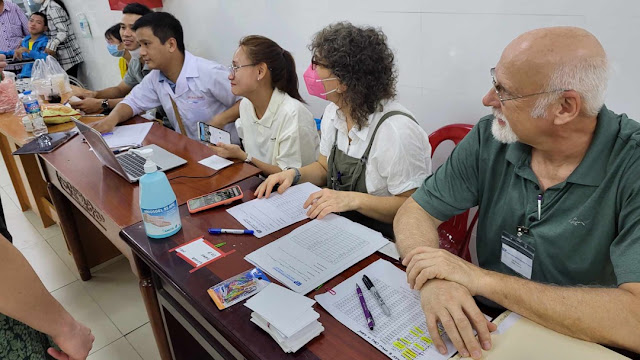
pixel 444 48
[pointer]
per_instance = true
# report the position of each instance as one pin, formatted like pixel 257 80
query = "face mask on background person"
pixel 113 50
pixel 315 84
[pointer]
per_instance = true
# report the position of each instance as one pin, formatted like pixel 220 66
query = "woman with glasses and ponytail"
pixel 373 153
pixel 276 129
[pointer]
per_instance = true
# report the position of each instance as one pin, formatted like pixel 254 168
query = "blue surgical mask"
pixel 113 50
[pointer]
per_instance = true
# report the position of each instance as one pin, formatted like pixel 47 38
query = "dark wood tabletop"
pixel 336 342
pixel 118 198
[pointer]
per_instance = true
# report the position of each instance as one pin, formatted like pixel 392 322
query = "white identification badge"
pixel 517 254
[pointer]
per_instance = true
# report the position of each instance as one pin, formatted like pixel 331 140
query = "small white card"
pixel 516 261
pixel 215 162
pixel 198 252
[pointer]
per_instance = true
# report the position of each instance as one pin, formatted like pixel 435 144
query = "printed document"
pixel 316 252
pixel 401 336
pixel 127 135
pixel 265 216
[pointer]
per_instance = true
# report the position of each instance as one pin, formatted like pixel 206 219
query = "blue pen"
pixel 230 231
pixel 107 133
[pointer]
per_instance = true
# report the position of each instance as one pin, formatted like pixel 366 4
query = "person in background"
pixel 33 324
pixel 373 153
pixel 277 130
pixel 194 88
pixel 14 27
pixel 555 176
pixel 106 99
pixel 63 44
pixel 33 45
pixel 115 47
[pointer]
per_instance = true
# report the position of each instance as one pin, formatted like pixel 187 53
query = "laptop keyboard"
pixel 133 164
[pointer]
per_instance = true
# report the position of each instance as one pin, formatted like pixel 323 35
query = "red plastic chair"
pixel 454 234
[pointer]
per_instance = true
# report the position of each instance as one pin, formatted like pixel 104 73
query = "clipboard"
pixel 56 139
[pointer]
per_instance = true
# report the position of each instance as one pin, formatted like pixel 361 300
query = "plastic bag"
pixel 8 93
pixel 40 82
pixel 58 77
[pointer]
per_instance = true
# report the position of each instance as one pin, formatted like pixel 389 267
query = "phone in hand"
pixel 212 134
pixel 216 198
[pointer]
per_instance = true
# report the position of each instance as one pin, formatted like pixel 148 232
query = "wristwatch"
pixel 249 158
pixel 295 178
pixel 105 105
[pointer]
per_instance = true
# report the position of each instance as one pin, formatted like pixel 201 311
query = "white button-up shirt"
pixel 286 134
pixel 400 157
pixel 201 92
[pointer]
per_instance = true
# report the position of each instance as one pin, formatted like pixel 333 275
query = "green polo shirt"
pixel 589 231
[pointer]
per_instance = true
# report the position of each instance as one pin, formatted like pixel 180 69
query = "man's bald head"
pixel 558 58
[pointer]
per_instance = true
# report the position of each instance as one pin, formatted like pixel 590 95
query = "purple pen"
pixel 365 309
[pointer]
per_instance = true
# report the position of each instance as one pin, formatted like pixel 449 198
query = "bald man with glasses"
pixel 555 175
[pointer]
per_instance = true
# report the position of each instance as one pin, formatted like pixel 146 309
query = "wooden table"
pixel 24 170
pixel 94 203
pixel 195 327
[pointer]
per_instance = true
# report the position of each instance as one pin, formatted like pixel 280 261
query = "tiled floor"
pixel 110 303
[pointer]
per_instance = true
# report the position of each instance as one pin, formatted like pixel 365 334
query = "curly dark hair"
pixel 362 60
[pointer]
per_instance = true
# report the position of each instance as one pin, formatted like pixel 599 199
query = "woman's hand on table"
pixel 326 201
pixel 283 180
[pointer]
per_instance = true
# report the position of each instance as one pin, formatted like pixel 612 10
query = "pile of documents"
pixel 288 317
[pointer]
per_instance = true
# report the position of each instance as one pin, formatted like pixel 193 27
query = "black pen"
pixel 367 282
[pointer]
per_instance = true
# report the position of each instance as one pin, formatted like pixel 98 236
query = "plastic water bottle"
pixel 160 212
pixel 31 104
pixel 32 107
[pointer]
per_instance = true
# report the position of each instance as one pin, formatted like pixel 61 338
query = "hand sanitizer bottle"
pixel 160 212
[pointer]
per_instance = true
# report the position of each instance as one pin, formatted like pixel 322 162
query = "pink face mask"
pixel 315 86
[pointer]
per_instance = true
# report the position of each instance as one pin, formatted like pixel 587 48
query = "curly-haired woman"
pixel 373 153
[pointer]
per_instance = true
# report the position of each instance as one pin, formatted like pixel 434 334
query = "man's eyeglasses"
pixel 500 90
pixel 315 63
pixel 234 68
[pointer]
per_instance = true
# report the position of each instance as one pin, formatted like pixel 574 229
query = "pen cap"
pixel 215 231
pixel 367 282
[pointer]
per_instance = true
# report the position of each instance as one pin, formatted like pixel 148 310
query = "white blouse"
pixel 400 157
pixel 286 135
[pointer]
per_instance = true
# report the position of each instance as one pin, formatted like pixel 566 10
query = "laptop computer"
pixel 129 165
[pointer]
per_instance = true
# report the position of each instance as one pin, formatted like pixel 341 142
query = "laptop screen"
pixel 100 148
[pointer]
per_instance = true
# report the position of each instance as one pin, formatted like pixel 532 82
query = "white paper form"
pixel 127 135
pixel 215 162
pixel 265 216
pixel 316 252
pixel 401 336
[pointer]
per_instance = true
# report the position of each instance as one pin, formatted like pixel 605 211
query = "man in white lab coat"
pixel 189 88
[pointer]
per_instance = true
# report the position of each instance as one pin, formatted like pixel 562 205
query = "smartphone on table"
pixel 216 198
pixel 212 134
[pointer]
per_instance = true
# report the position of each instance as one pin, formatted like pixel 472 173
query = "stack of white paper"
pixel 288 317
